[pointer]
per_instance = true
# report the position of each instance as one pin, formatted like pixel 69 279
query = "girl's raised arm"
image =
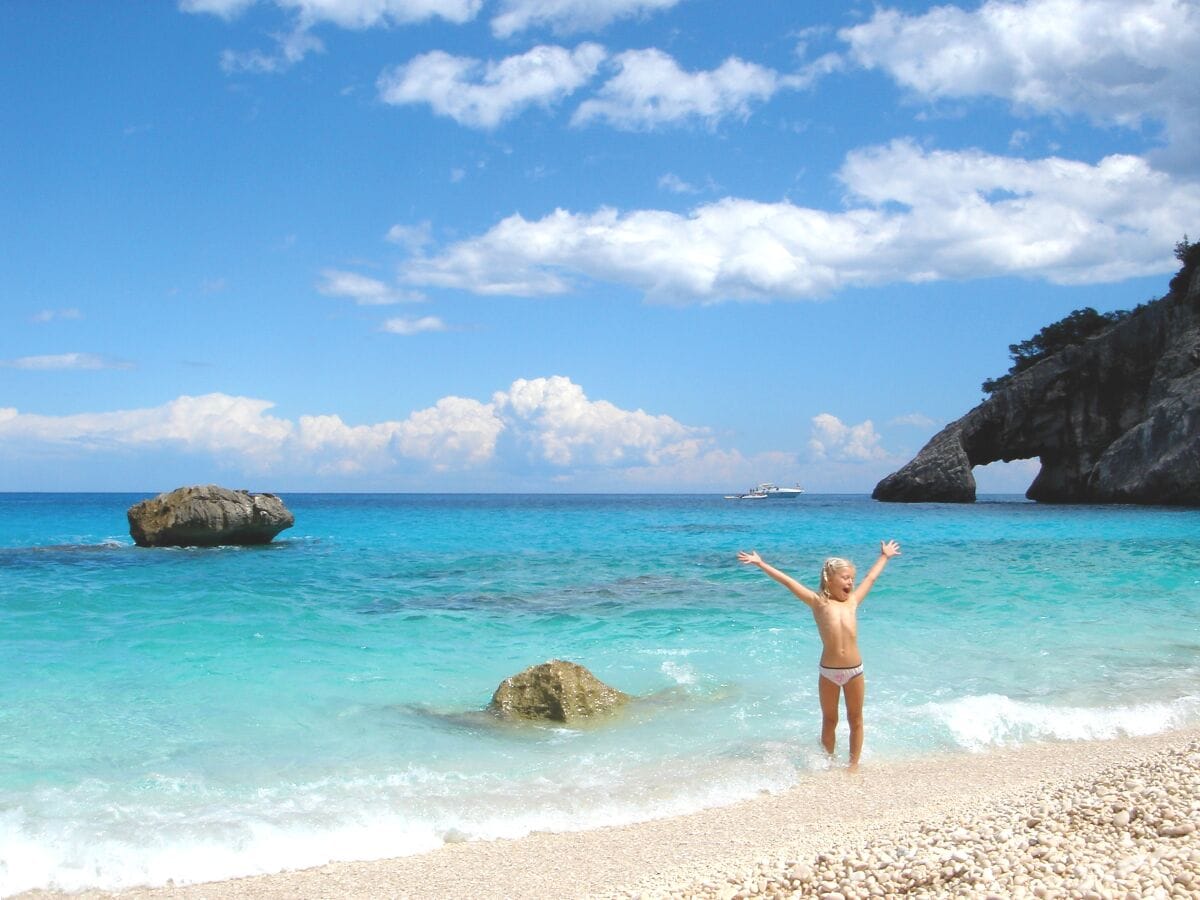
pixel 887 549
pixel 802 593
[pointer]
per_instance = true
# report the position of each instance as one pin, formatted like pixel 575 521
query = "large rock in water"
pixel 1115 419
pixel 556 691
pixel 208 516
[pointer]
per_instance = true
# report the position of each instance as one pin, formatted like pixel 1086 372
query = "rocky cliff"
pixel 1114 419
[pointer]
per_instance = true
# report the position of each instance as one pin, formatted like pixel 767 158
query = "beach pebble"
pixel 801 873
pixel 1180 830
pixel 1124 834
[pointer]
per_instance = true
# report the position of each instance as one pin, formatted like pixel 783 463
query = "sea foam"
pixel 977 723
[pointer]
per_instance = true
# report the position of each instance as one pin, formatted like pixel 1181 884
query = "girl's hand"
pixel 889 549
pixel 751 558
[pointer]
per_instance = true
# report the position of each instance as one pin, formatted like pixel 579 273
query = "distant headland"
pixel 1109 403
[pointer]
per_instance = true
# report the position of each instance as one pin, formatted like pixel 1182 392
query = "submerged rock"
pixel 207 516
pixel 556 691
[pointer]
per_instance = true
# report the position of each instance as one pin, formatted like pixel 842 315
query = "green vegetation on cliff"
pixel 1082 324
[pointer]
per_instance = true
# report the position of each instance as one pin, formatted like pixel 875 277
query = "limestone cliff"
pixel 1115 419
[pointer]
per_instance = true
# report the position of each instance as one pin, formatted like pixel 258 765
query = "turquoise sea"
pixel 201 714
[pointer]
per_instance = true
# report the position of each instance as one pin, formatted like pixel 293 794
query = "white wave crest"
pixel 980 722
pixel 680 673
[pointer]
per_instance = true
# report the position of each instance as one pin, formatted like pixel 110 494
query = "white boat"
pixel 774 492
pixel 768 491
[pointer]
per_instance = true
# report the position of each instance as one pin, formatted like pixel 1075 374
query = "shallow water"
pixel 199 714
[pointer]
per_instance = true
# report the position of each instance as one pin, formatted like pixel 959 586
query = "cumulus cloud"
pixel 215 423
pixel 833 439
pixel 566 16
pixel 547 423
pixel 556 418
pixel 408 326
pixel 650 89
pixel 242 432
pixel 66 361
pixel 456 430
pixel 483 95
pixel 1119 62
pixel 913 215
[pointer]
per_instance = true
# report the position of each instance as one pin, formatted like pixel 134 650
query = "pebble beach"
pixel 1128 831
pixel 1102 819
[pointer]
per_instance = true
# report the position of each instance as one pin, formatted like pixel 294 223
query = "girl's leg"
pixel 856 691
pixel 828 692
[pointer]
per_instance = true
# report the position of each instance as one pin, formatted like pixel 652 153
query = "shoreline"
pixel 770 845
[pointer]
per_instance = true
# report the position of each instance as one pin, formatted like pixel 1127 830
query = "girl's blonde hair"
pixel 832 565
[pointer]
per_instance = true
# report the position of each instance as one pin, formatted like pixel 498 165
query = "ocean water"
pixel 202 714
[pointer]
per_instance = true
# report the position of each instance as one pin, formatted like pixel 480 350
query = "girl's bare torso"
pixel 837 624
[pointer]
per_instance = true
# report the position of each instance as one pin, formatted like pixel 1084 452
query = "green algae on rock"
pixel 556 691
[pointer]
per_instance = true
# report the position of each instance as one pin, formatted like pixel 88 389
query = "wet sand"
pixel 1106 818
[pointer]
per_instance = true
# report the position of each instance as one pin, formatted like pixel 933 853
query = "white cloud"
pixel 295 43
pixel 833 439
pixel 1006 477
pixel 290 48
pixel 915 215
pixel 408 326
pixel 240 431
pixel 676 185
pixel 356 14
pixel 86 361
pixel 566 16
pixel 548 424
pixel 1119 62
pixel 483 95
pixel 373 13
pixel 652 90
pixel 411 237
pixel 362 290
pixel 513 16
pixel 456 430
pixel 566 428
pixel 226 9
pixel 214 423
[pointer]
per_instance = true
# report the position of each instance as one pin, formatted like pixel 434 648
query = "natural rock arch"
pixel 1114 419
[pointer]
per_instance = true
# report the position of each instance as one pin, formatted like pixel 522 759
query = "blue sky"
pixel 593 245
